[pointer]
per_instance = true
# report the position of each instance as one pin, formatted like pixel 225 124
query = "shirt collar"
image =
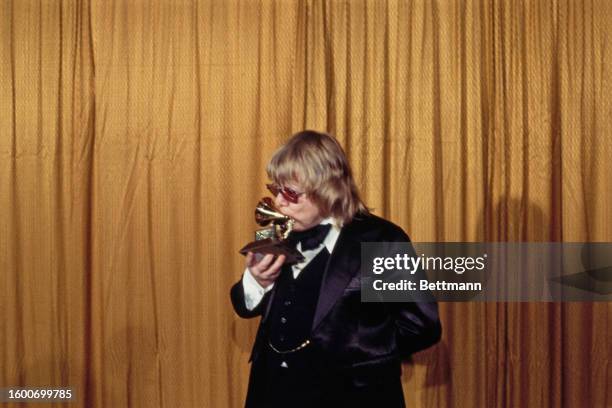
pixel 332 236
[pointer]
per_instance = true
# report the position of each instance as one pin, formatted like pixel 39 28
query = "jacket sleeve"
pixel 418 323
pixel 418 326
pixel 238 301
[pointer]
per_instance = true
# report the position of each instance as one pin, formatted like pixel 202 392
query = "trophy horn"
pixel 266 213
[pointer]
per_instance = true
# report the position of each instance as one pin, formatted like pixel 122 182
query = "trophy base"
pixel 273 246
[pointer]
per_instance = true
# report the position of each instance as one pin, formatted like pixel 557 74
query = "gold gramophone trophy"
pixel 272 238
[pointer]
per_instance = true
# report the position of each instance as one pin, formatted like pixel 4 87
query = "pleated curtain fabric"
pixel 133 142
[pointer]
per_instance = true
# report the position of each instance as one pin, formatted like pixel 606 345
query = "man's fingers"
pixel 279 262
pixel 265 262
pixel 274 269
pixel 270 277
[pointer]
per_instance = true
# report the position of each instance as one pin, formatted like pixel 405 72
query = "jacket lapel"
pixel 342 266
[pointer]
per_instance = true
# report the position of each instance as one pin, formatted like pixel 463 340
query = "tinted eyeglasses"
pixel 287 193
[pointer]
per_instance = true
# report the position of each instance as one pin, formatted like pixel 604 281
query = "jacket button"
pixel 287 302
pixel 283 320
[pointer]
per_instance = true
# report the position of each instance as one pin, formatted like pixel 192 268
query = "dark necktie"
pixel 311 238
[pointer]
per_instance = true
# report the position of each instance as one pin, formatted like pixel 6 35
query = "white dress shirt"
pixel 254 292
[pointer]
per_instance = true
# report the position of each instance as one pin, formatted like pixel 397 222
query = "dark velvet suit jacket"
pixel 367 341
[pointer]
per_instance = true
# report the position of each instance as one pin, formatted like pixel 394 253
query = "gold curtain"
pixel 133 141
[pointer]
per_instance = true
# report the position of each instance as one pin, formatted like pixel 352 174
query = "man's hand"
pixel 264 271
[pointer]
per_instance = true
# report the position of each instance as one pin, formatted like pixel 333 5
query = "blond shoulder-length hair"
pixel 317 163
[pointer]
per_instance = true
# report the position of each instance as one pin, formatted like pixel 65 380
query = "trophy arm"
pixel 288 228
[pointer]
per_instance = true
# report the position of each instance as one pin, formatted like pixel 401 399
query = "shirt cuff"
pixel 253 291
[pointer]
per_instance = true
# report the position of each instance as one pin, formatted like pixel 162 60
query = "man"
pixel 317 343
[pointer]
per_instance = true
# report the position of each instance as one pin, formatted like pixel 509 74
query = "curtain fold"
pixel 133 143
